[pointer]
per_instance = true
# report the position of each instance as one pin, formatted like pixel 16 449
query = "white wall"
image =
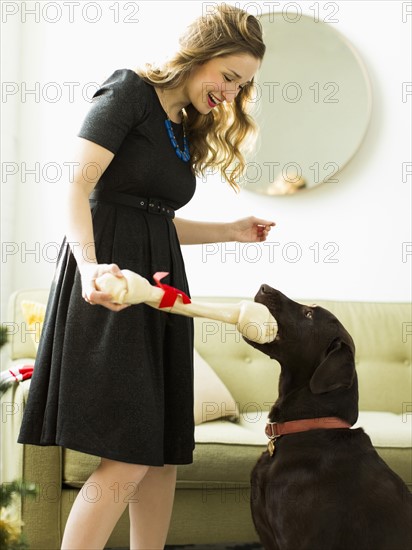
pixel 366 214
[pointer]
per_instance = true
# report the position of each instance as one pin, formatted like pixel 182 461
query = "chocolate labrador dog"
pixel 321 485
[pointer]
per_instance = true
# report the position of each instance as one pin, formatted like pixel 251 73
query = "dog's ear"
pixel 336 371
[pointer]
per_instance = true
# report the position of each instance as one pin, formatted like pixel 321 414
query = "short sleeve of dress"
pixel 117 106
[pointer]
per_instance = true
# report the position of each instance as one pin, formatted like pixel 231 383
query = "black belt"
pixel 153 206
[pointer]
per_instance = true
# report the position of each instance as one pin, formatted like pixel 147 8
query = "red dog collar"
pixel 275 429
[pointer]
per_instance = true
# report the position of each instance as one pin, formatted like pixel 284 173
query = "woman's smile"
pixel 212 100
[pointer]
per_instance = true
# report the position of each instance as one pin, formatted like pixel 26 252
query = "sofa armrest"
pixel 30 464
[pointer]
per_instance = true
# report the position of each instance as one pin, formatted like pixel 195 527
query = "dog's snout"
pixel 265 292
pixel 265 289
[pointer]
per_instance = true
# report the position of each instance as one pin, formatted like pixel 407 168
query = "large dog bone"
pixel 253 320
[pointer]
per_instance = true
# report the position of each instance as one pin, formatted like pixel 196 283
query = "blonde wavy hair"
pixel 228 132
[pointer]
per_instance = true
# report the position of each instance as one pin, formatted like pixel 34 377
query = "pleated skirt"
pixel 117 385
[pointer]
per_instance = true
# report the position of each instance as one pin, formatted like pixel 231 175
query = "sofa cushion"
pixel 251 376
pixel 226 452
pixel 77 467
pixel 386 429
pixel 381 332
pixel 212 399
pixel 391 435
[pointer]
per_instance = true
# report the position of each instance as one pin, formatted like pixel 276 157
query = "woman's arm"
pixel 90 161
pixel 249 229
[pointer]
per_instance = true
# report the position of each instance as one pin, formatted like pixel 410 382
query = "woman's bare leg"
pixel 100 503
pixel 151 510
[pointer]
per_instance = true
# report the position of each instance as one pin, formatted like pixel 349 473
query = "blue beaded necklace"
pixel 185 154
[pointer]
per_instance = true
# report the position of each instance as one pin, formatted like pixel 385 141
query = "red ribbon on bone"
pixel 171 293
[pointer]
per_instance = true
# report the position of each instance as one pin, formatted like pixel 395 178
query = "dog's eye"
pixel 309 314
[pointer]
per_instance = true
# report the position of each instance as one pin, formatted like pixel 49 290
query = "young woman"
pixel 116 381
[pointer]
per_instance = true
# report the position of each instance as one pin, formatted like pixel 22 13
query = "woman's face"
pixel 220 79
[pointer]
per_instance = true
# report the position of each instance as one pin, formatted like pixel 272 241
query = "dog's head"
pixel 312 346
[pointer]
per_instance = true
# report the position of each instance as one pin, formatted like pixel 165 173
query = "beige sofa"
pixel 212 496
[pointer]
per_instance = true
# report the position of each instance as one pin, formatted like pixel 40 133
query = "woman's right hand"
pixel 89 273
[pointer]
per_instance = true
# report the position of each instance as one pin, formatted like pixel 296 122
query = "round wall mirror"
pixel 313 105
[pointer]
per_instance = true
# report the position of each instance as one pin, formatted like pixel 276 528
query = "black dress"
pixel 119 385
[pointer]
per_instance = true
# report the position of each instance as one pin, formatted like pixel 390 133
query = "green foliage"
pixel 11 537
pixel 3 337
pixel 4 386
pixel 8 490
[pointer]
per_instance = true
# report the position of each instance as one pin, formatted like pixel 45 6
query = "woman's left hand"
pixel 251 230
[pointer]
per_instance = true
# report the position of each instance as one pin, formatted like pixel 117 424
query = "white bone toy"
pixel 252 320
